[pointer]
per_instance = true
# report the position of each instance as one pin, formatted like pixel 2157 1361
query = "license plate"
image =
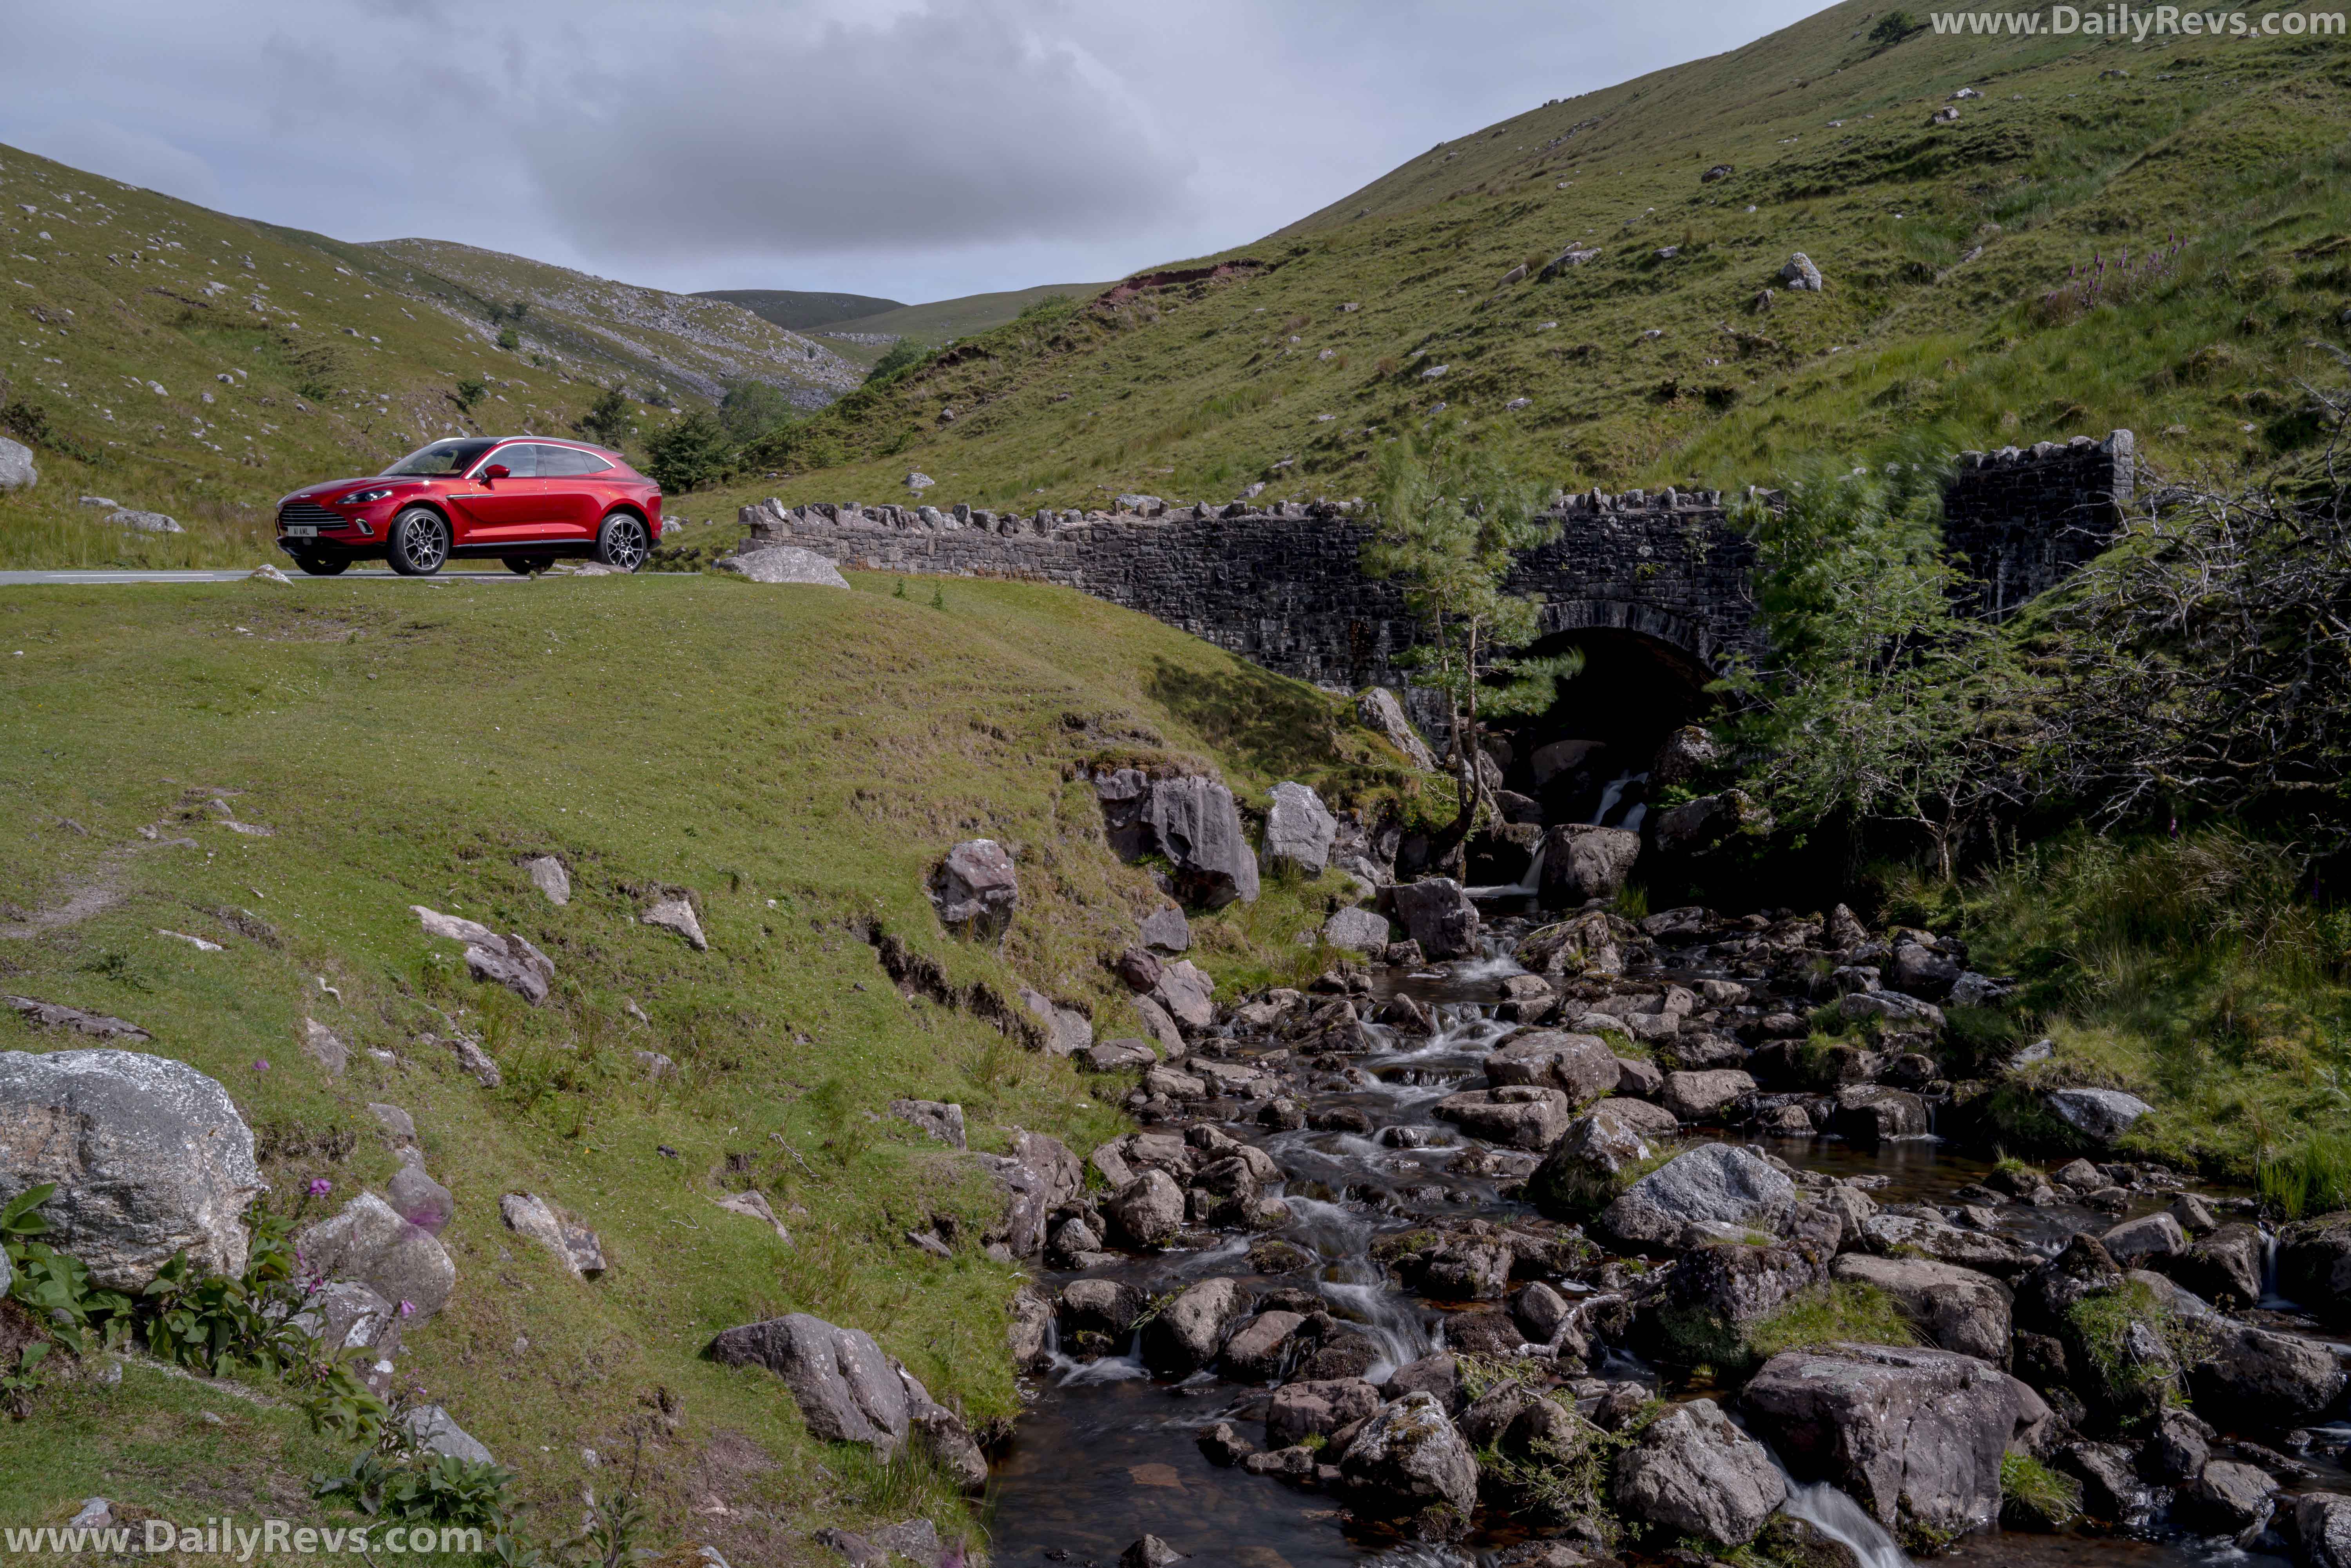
pixel 301 530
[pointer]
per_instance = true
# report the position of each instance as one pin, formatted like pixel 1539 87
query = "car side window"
pixel 567 462
pixel 521 460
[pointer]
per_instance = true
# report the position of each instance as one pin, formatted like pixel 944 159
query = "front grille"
pixel 309 514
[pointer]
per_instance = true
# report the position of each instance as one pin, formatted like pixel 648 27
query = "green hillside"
pixel 795 759
pixel 797 309
pixel 185 361
pixel 1953 314
pixel 944 318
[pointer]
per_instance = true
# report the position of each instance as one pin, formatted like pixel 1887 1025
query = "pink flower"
pixel 321 1187
pixel 407 1309
pixel 262 1065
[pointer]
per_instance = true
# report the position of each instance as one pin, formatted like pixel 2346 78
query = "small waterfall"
pixel 1529 883
pixel 1842 1519
pixel 1614 794
pixel 1070 1372
pixel 2270 1296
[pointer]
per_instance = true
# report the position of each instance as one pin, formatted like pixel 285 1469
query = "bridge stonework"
pixel 1284 586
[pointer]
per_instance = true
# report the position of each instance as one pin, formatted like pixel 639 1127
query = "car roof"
pixel 559 441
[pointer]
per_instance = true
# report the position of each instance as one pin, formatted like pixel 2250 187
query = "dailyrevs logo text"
pixel 228 1539
pixel 2139 23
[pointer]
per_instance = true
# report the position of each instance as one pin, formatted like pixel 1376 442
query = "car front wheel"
pixel 622 541
pixel 419 542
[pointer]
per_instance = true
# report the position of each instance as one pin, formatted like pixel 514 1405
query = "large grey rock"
pixel 1440 917
pixel 2101 1115
pixel 498 967
pixel 548 876
pixel 574 1245
pixel 145 522
pixel 1682 756
pixel 1579 1065
pixel 1317 1408
pixel 1890 1007
pixel 848 1391
pixel 1904 1235
pixel 2250 1377
pixel 1696 1096
pixel 1585 1169
pixel 2227 1263
pixel 1914 1435
pixel 1954 1308
pixel 1039 1175
pixel 1871 1113
pixel 1692 1472
pixel 420 1200
pixel 1027 1328
pixel 370 1242
pixel 1149 1209
pixel 1255 1352
pixel 57 1015
pixel 1166 929
pixel 1696 826
pixel 1520 1115
pixel 1298 829
pixel 149 1155
pixel 1194 823
pixel 2323 1525
pixel 436 1433
pixel 1186 992
pixel 976 890
pixel 344 1314
pixel 784 563
pixel 1800 275
pixel 1583 861
pixel 1358 930
pixel 2315 1266
pixel 17 470
pixel 1066 1031
pixel 2144 1242
pixel 941 1121
pixel 1715 1189
pixel 2228 1499
pixel 1408 1457
pixel 1378 708
pixel 1921 972
pixel 1190 1330
pixel 676 915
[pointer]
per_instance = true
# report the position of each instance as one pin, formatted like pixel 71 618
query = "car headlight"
pixel 361 497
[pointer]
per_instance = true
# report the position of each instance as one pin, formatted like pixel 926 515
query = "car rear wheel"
pixel 622 541
pixel 419 542
pixel 524 565
pixel 323 565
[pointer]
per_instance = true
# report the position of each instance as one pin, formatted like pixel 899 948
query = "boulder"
pixel 1439 915
pixel 2101 1115
pixel 149 1156
pixel 420 1200
pixel 1735 1284
pixel 1303 1410
pixel 1255 1352
pixel 1584 1171
pixel 1871 1113
pixel 1713 1188
pixel 370 1242
pixel 1583 861
pixel 1117 1056
pixel 1408 1457
pixel 2321 1521
pixel 1066 1030
pixel 1696 826
pixel 57 1015
pixel 1692 1473
pixel 142 522
pixel 1800 275
pixel 344 1314
pixel 1148 1210
pixel 1580 1066
pixel 848 1391
pixel 937 1120
pixel 783 564
pixel 574 1245
pixel 1519 1116
pixel 1683 755
pixel 1953 1308
pixel 1298 829
pixel 2226 1264
pixel 17 470
pixel 1696 1096
pixel 1166 929
pixel 976 890
pixel 1921 972
pixel 1914 1435
pixel 676 915
pixel 1378 709
pixel 548 876
pixel 2249 1377
pixel 1903 1235
pixel 1358 930
pixel 1149 1551
pixel 1891 1007
pixel 435 1432
pixel 502 966
pixel 2229 1498
pixel 2144 1242
pixel 1107 1307
pixel 1651 1120
pixel 1039 1175
pixel 2315 1266
pixel 1190 1330
pixel 1194 823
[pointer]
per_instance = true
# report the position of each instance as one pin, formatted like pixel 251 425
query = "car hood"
pixel 327 489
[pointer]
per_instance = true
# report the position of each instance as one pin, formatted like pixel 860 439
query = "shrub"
pixel 694 450
pixel 902 356
pixel 2036 1496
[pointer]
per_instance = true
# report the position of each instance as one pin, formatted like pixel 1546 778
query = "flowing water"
pixel 1106 1452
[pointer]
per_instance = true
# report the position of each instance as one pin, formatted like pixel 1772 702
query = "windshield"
pixel 442 457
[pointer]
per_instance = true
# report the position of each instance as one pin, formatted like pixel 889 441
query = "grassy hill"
pixel 797 758
pixel 798 310
pixel 1954 314
pixel 185 361
pixel 944 318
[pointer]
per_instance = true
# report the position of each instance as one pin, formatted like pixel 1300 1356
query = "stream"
pixel 1106 1451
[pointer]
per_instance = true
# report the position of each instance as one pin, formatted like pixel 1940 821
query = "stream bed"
pixel 1108 1452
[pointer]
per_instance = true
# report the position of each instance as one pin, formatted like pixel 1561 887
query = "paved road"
pixel 19 579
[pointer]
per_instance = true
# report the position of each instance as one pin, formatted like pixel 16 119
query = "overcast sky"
pixel 914 149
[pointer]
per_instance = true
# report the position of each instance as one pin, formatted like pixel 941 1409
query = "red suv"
pixel 525 499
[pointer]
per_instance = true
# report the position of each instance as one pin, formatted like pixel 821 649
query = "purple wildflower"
pixel 321 1187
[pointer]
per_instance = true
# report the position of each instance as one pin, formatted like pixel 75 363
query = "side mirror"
pixel 495 471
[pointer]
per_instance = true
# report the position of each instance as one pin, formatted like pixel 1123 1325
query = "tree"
pixel 904 354
pixel 471 390
pixel 510 340
pixel 693 451
pixel 1892 29
pixel 1877 700
pixel 1450 523
pixel 754 409
pixel 608 421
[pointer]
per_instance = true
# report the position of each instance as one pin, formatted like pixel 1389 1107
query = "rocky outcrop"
pixel 1298 829
pixel 1192 822
pixel 1581 862
pixel 1692 1472
pixel 1039 1175
pixel 1357 930
pixel 1715 1191
pixel 1914 1435
pixel 1519 1116
pixel 1189 1331
pixel 2100 1115
pixel 1378 709
pixel 573 1244
pixel 1587 1169
pixel 1953 1308
pixel 1580 1066
pixel 1408 1457
pixel 850 1392
pixel 1316 1409
pixel 369 1241
pixel 1149 1209
pixel 783 564
pixel 149 1156
pixel 1440 917
pixel 976 890
pixel 17 470
pixel 2315 1266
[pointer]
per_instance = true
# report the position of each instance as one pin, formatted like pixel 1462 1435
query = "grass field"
pixel 1955 314
pixel 796 758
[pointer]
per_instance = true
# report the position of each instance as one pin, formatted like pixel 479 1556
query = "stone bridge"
pixel 1283 586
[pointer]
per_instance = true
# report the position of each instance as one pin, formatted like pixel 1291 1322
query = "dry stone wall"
pixel 1282 586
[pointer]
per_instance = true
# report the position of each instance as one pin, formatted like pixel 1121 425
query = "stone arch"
pixel 1692 637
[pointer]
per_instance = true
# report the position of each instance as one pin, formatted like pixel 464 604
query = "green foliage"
pixel 213 1323
pixel 2036 1496
pixel 691 451
pixel 608 420
pixel 1561 1475
pixel 55 1286
pixel 900 357
pixel 2311 1177
pixel 470 391
pixel 1824 1314
pixel 409 1485
pixel 614 1534
pixel 317 371
pixel 752 411
pixel 510 340
pixel 2113 1327
pixel 1893 28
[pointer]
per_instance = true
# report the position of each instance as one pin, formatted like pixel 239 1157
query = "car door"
pixel 575 501
pixel 495 511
